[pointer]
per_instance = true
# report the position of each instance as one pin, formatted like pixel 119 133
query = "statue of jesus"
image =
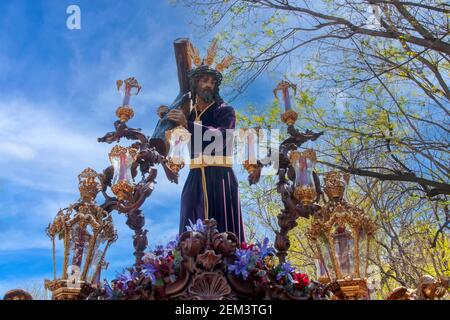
pixel 211 188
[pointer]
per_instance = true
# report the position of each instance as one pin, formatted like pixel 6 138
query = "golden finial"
pixel 225 63
pixel 119 84
pixel 195 56
pixel 212 51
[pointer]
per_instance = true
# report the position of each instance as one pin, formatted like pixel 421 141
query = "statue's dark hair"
pixel 199 72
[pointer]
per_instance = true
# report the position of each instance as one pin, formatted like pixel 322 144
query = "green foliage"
pixel 403 249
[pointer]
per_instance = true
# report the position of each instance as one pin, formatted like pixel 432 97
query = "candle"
pixel 126 98
pixel 286 98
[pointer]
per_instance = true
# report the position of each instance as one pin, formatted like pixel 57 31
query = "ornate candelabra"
pixel 340 231
pixel 87 232
pixel 87 228
pixel 298 184
pixel 125 163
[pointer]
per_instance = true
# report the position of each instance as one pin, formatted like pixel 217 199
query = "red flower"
pixel 301 281
pixel 245 246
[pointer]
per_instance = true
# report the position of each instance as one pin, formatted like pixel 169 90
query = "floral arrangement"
pixel 252 262
pixel 159 268
pixel 257 262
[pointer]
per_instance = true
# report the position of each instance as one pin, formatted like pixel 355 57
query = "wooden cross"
pixel 184 65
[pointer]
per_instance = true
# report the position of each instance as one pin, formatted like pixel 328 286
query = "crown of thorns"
pixel 204 66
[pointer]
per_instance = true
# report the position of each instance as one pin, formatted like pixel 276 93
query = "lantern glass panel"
pixel 78 248
pixel 364 252
pixel 303 167
pixel 78 245
pixel 325 253
pixel 321 271
pixel 178 139
pixel 122 167
pixel 94 263
pixel 343 246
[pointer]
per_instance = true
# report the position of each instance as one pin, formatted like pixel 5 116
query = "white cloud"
pixel 151 61
pixel 16 150
pixel 20 240
pixel 43 151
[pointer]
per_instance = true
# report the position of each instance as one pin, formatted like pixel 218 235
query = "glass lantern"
pixel 342 248
pixel 177 139
pixel 122 159
pixel 289 116
pixel 303 164
pixel 342 256
pixel 341 234
pixel 87 232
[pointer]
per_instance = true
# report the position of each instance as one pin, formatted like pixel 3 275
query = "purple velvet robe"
pixel 221 183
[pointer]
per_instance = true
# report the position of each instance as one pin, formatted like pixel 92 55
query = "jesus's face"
pixel 205 88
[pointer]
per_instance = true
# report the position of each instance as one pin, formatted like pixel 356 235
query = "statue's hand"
pixel 177 116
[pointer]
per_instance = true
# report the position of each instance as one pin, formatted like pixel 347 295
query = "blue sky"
pixel 57 89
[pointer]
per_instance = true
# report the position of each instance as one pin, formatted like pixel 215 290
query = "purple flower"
pixel 285 271
pixel 149 270
pixel 124 277
pixel 264 249
pixel 108 289
pixel 241 264
pixel 134 274
pixel 173 243
pixel 159 250
pixel 197 227
pixel 161 253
